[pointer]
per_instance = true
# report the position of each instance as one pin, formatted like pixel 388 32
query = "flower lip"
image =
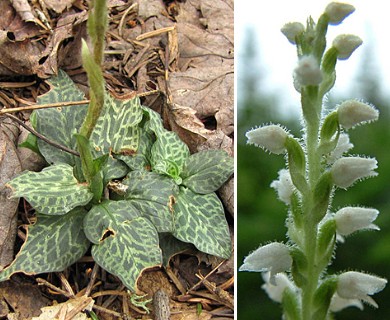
pixel 358 285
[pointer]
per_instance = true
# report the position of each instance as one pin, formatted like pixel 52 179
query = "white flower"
pixel 273 257
pixel 275 291
pixel 292 29
pixel 358 285
pixel 351 219
pixel 284 186
pixel 337 303
pixel 308 71
pixel 271 137
pixel 345 45
pixel 343 146
pixel 352 113
pixel 345 171
pixel 337 12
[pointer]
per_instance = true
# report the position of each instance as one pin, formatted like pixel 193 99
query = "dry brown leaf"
pixel 64 44
pixel 58 6
pixel 9 167
pixel 25 300
pixel 64 309
pixel 22 7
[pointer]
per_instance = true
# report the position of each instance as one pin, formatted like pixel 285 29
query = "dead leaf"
pixel 9 167
pixel 63 310
pixel 64 44
pixel 22 7
pixel 24 300
pixel 58 6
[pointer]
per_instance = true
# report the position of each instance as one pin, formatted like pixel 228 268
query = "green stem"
pixel 97 24
pixel 311 105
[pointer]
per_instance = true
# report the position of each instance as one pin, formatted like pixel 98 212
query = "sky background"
pixel 277 57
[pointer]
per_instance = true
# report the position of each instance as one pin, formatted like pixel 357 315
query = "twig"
pixel 92 280
pixel 44 106
pixel 53 287
pixel 42 137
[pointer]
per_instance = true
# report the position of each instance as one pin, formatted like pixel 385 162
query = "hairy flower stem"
pixel 97 24
pixel 311 105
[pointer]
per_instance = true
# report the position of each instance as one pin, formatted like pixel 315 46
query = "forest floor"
pixel 177 56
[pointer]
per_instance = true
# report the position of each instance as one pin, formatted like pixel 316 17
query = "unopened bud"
pixel 352 113
pixel 271 138
pixel 291 30
pixel 345 45
pixel 337 12
pixel 308 71
pixel 347 170
pixel 358 285
pixel 351 219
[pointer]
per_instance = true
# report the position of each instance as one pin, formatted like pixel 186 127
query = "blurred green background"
pixel 261 216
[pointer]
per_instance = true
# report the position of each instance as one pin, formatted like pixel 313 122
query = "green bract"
pixel 162 197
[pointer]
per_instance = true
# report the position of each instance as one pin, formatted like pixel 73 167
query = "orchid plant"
pixel 295 272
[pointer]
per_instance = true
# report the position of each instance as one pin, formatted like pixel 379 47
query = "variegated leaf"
pixel 53 191
pixel 141 159
pixel 154 123
pixel 125 243
pixel 169 154
pixel 200 219
pixel 52 244
pixel 117 128
pixel 154 196
pixel 59 124
pixel 171 246
pixel 206 171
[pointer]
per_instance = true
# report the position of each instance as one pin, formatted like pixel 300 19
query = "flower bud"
pixel 274 257
pixel 291 30
pixel 351 219
pixel 345 45
pixel 271 138
pixel 308 71
pixel 358 285
pixel 347 170
pixel 275 292
pixel 284 186
pixel 337 12
pixel 353 112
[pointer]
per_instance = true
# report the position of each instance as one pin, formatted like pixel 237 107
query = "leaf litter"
pixel 176 55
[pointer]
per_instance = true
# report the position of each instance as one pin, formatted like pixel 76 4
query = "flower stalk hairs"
pixel 295 272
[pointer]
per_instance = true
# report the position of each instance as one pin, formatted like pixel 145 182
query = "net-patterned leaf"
pixel 52 244
pixel 153 195
pixel 200 220
pixel 117 127
pixel 206 171
pixel 59 124
pixel 125 243
pixel 53 191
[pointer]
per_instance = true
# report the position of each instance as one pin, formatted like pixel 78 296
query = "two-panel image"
pixel 194 160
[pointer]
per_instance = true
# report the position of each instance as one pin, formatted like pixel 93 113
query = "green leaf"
pixel 59 124
pixel 52 244
pixel 141 159
pixel 53 191
pixel 323 297
pixel 206 171
pixel 117 128
pixel 171 246
pixel 200 220
pixel 154 196
pixel 169 154
pixel 290 304
pixel 125 243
